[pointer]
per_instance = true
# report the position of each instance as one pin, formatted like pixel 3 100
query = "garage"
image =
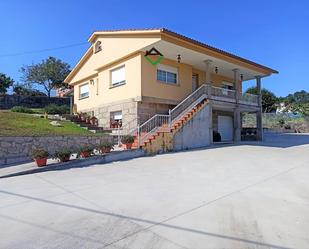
pixel 225 127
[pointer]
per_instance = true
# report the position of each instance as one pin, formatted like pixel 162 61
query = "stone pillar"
pixel 236 84
pixel 259 124
pixel 208 76
pixel 237 125
pixel 210 124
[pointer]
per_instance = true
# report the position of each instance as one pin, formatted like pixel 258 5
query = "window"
pixel 116 119
pixel 84 91
pixel 226 87
pixel 167 74
pixel 97 47
pixel 118 76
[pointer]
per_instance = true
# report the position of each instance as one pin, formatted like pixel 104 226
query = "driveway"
pixel 246 196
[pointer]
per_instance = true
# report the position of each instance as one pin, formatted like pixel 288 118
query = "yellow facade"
pixel 128 49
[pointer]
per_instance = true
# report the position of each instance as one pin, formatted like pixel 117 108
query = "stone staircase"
pixel 84 125
pixel 161 139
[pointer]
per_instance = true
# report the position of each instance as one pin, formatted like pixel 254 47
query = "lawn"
pixel 20 124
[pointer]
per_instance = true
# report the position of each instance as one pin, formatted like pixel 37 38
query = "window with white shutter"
pixel 118 76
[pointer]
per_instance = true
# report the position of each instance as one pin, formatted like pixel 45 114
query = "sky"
pixel 273 33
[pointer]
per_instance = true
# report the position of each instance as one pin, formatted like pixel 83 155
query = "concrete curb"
pixel 79 163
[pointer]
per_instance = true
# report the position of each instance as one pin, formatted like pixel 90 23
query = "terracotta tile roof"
pixel 196 42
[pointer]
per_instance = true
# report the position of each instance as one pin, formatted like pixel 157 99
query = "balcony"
pixel 227 95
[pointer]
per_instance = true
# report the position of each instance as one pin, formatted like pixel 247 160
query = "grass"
pixel 21 124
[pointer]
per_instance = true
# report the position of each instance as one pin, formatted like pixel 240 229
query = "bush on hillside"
pixel 21 109
pixel 57 109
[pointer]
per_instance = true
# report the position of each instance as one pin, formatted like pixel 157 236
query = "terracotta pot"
pixel 128 146
pixel 105 150
pixel 85 154
pixel 64 159
pixel 40 162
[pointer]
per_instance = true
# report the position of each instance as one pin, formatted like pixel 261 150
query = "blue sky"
pixel 273 33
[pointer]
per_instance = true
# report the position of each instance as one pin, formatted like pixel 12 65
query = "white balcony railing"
pixel 248 98
pixel 223 93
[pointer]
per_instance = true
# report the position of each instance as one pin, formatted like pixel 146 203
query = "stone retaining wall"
pixel 8 101
pixel 16 149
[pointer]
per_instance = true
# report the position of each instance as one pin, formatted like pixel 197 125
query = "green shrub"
pixel 62 154
pixel 281 122
pixel 86 148
pixel 21 109
pixel 127 139
pixel 105 145
pixel 39 153
pixel 57 109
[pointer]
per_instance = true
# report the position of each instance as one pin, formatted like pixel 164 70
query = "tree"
pixel 269 99
pixel 50 74
pixel 25 91
pixel 5 83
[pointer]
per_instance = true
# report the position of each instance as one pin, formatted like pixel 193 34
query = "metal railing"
pixel 249 98
pixel 187 102
pixel 223 92
pixel 151 126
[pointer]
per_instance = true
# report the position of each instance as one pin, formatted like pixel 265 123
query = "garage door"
pixel 225 127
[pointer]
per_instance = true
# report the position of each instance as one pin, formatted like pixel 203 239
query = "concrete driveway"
pixel 245 196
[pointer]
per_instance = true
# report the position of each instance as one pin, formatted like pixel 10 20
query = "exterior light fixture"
pixel 178 58
pixel 241 77
pixel 216 70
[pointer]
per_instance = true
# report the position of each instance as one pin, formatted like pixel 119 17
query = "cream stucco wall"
pixel 101 92
pixel 156 89
pixel 113 48
pixel 153 88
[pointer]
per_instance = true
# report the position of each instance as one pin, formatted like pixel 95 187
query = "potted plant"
pixel 105 147
pixel 83 117
pixel 127 141
pixel 85 151
pixel 94 121
pixel 88 119
pixel 63 155
pixel 40 157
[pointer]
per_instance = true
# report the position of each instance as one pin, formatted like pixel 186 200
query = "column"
pixel 259 124
pixel 236 84
pixel 237 125
pixel 208 76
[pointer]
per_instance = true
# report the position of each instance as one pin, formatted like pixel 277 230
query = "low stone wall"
pixel 8 101
pixel 17 149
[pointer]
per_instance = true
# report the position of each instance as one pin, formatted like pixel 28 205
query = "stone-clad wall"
pixel 8 101
pixel 14 149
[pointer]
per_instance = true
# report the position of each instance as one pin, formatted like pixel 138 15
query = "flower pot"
pixel 93 121
pixel 128 146
pixel 85 154
pixel 65 159
pixel 40 162
pixel 105 150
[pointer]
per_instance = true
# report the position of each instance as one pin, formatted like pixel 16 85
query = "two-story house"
pixel 129 76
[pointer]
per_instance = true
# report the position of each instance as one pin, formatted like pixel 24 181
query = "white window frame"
pixel 86 93
pixel 122 80
pixel 167 69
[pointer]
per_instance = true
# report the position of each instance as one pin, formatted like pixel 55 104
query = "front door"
pixel 194 82
pixel 225 127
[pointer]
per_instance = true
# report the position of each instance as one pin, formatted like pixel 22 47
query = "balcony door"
pixel 194 82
